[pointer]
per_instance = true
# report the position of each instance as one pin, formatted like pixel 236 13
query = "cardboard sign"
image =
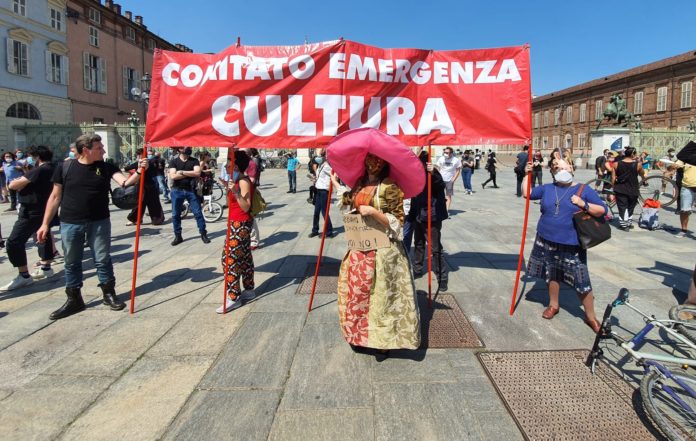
pixel 364 233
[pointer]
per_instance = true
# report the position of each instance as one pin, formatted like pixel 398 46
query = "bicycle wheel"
pixel 686 314
pixel 603 189
pixel 218 191
pixel 659 395
pixel 185 210
pixel 212 211
pixel 660 188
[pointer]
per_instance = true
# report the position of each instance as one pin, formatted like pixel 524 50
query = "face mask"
pixel 20 155
pixel 564 177
pixel 8 159
pixel 150 156
pixel 71 155
pixel 235 176
pixel 447 155
pixel 30 160
pixel 319 159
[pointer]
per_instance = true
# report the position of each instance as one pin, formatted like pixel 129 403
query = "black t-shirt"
pixel 34 196
pixel 627 178
pixel 160 165
pixel 151 172
pixel 465 162
pixel 599 162
pixel 85 190
pixel 188 165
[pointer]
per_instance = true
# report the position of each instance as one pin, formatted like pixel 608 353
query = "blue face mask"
pixel 319 159
pixel 30 160
pixel 71 155
pixel 20 155
pixel 150 156
pixel 235 176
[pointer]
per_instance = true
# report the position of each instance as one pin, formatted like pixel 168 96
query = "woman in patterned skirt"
pixel 376 296
pixel 240 263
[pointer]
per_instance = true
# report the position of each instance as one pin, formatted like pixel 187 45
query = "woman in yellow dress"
pixel 376 295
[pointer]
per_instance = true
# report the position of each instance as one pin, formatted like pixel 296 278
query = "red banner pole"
pixel 430 231
pixel 141 189
pixel 530 154
pixel 225 265
pixel 321 247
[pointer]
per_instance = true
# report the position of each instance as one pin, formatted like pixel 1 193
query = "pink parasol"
pixel 346 153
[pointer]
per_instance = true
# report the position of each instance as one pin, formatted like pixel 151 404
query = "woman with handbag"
pixel 624 180
pixel 557 255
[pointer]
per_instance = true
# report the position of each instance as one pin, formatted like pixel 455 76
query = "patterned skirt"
pixel 557 262
pixel 377 303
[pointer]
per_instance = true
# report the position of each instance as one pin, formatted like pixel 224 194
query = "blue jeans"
pixel 408 236
pixel 98 235
pixel 292 180
pixel 162 181
pixel 466 178
pixel 178 198
pixel 320 204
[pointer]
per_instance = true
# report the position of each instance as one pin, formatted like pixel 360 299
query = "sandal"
pixel 594 325
pixel 550 312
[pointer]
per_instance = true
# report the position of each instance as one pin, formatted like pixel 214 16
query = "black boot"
pixel 73 305
pixel 204 237
pixel 110 296
pixel 177 239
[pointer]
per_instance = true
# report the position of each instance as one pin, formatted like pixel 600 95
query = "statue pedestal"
pixel 612 138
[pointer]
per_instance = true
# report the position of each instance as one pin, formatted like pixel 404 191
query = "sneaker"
pixel 682 233
pixel 230 305
pixel 17 282
pixel 40 274
pixel 248 294
pixel 130 223
pixel 313 234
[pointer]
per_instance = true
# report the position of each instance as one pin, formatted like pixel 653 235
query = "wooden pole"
pixel 141 190
pixel 225 265
pixel 321 247
pixel 430 231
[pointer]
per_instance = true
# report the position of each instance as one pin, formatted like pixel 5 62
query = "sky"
pixel 571 41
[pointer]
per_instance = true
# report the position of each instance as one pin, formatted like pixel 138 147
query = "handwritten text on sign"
pixel 364 233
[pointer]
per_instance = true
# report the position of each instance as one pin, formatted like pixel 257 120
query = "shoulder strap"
pixel 66 169
pixel 579 193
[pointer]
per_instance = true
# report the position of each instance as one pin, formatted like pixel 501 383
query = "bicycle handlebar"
pixel 622 298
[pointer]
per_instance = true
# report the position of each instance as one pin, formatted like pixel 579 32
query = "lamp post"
pixel 133 122
pixel 144 94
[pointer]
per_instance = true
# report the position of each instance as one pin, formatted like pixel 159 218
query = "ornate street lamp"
pixel 133 122
pixel 144 94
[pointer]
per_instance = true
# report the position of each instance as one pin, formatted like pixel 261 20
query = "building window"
pixel 94 73
pixel 130 33
pixel 56 68
pixel 581 140
pixel 638 103
pixel 556 116
pixel 23 110
pixel 568 141
pixel 556 141
pixel 583 112
pixel 131 79
pixel 546 118
pixel 151 44
pixel 17 57
pixel 545 142
pixel 535 145
pixel 56 19
pixel 569 115
pixel 536 120
pixel 598 109
pixel 661 99
pixel 94 16
pixel 93 36
pixel 686 95
pixel 19 7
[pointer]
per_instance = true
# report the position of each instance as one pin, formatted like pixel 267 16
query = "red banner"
pixel 302 96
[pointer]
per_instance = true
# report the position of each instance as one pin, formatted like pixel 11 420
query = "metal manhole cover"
pixel 326 282
pixel 552 395
pixel 445 325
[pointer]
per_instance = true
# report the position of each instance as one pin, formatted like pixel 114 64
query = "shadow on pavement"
pixel 504 261
pixel 278 237
pixel 672 276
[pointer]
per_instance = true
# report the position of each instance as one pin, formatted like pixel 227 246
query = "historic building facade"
pixel 659 95
pixel 34 80
pixel 111 50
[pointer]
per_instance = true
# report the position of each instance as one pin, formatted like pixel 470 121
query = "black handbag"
pixel 125 198
pixel 591 230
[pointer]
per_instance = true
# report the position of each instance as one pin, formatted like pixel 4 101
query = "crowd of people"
pixel 383 278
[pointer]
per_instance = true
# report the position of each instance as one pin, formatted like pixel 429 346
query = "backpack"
pixel 649 217
pixel 258 203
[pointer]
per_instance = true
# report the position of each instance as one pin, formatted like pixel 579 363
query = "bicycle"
pixel 669 398
pixel 212 211
pixel 604 190
pixel 217 191
pixel 660 188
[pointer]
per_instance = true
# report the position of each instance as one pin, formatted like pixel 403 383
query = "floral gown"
pixel 377 303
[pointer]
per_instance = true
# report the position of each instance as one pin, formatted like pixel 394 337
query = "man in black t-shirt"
pixel 150 192
pixel 183 171
pixel 81 190
pixel 34 188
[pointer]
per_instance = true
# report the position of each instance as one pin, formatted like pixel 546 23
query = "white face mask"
pixel 564 177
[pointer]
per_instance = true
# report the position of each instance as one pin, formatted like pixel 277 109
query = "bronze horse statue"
pixel 616 111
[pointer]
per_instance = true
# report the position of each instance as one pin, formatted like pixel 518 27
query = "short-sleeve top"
pixel 85 190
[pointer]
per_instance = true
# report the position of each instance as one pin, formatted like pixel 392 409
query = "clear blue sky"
pixel 572 41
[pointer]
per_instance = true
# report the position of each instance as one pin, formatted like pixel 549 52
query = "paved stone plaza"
pixel 269 370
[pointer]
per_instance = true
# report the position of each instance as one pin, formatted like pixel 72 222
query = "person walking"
pixel 520 166
pixel 491 166
pixel 321 201
pixel 150 192
pixel 467 171
pixel 293 166
pixel 449 167
pixel 537 168
pixel 557 256
pixel 624 179
pixel 240 262
pixel 183 171
pixel 33 189
pixel 81 190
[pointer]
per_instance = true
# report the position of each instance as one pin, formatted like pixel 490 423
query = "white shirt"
pixel 448 167
pixel 323 176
